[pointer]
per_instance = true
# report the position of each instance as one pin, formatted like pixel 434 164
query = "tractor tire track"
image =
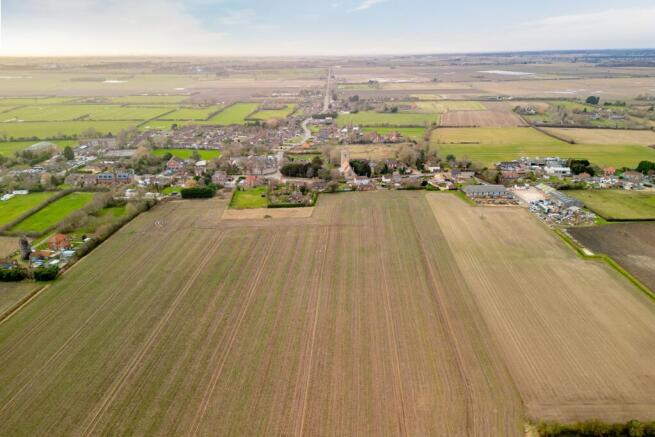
pixel 195 425
pixel 89 427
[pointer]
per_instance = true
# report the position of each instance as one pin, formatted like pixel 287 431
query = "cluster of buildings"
pixel 540 167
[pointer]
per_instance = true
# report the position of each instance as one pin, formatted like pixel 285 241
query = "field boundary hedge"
pixel 606 259
pixel 552 135
pixel 594 428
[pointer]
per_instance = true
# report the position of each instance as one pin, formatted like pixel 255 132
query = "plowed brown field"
pixel 352 322
pixel 369 318
pixel 578 338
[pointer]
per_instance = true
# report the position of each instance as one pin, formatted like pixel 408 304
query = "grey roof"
pixel 484 189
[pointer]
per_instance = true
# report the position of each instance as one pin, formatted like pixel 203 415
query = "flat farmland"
pixel 370 118
pixel 149 99
pixel 13 294
pixel 446 106
pixel 268 114
pixel 54 129
pixel 577 337
pixel 53 213
pixel 13 208
pixel 235 114
pixel 8 245
pixel 10 147
pixel 191 113
pixel 618 204
pixel 605 136
pixel 354 321
pixel 79 112
pixel 481 119
pixel 414 133
pixel 373 152
pixel 609 88
pixel 490 145
pixel 632 245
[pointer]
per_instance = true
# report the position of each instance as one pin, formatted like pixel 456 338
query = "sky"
pixel 330 27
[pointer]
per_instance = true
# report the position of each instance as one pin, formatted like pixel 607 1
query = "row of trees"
pixel 646 167
pixel 305 170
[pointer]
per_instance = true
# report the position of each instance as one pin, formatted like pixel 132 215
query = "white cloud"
pixel 113 27
pixel 614 28
pixel 367 4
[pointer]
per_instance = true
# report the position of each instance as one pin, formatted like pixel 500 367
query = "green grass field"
pixel 187 153
pixel 235 114
pixel 46 130
pixel 268 114
pixel 249 199
pixel 115 211
pixel 9 148
pixel 13 208
pixel 83 112
pixel 490 145
pixel 413 133
pixel 53 213
pixel 191 113
pixel 370 118
pixel 571 105
pixel 618 204
pixel 20 101
pixel 148 100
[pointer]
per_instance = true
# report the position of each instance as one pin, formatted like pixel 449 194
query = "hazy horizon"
pixel 46 28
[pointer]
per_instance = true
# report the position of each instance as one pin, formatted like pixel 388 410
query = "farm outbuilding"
pixel 487 191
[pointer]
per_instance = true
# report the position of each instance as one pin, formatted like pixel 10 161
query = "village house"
pixel 200 167
pixel 219 177
pixel 175 164
pixel 59 242
pixel 633 177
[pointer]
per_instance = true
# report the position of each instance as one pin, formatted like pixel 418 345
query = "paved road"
pixel 328 93
pixel 307 132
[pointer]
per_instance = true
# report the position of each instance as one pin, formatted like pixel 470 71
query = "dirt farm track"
pixel 399 313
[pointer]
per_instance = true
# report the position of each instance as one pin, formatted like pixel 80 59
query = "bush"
pixel 13 274
pixel 596 429
pixel 46 273
pixel 198 193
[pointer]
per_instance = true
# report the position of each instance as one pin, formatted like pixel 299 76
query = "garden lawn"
pixel 53 213
pixel 13 208
pixel 249 199
pixel 618 204
pixel 370 118
pixel 187 153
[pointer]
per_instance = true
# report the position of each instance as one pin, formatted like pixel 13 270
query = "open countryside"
pixel 412 243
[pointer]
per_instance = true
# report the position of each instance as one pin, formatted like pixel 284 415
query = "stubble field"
pixel 381 314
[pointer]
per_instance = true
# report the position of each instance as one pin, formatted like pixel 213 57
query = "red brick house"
pixel 59 242
pixel 175 164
